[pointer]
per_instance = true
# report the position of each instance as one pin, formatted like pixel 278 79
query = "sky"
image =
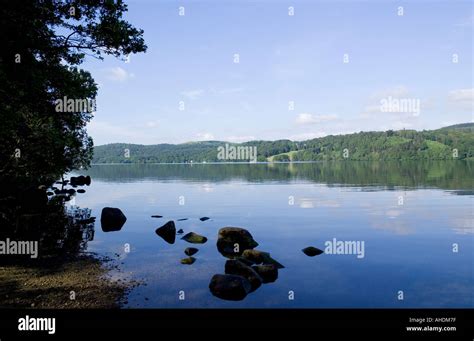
pixel 260 70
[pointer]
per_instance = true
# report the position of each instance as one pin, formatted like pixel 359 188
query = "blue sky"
pixel 283 59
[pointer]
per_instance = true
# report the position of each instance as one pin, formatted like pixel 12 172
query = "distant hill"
pixel 439 144
pixel 467 127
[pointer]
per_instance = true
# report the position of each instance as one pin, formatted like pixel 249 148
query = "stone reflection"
pixel 40 215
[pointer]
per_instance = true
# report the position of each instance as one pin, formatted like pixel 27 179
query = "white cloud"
pixel 205 136
pixel 230 91
pixel 118 74
pixel 370 110
pixel 399 125
pixel 404 104
pixel 461 95
pixel 306 118
pixel 395 92
pixel 307 136
pixel 152 124
pixel 240 138
pixel 193 94
pixel 466 22
pixel 246 106
pixel 105 132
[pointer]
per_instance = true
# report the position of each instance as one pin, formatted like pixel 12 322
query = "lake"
pixel 415 220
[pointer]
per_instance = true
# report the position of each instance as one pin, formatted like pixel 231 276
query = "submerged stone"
pixel 268 272
pixel 191 251
pixel 194 238
pixel 233 241
pixel 229 287
pixel 260 257
pixel 235 267
pixel 188 260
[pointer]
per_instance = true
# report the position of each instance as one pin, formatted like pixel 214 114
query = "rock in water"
pixel 204 218
pixel 112 219
pixel 235 267
pixel 194 238
pixel 260 257
pixel 230 237
pixel 191 251
pixel 229 287
pixel 188 260
pixel 268 272
pixel 312 251
pixel 180 231
pixel 81 191
pixel 80 180
pixel 157 216
pixel 182 219
pixel 167 232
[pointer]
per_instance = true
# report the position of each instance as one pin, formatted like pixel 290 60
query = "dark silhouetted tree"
pixel 42 44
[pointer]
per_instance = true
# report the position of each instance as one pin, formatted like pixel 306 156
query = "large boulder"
pixel 229 287
pixel 235 267
pixel 167 232
pixel 260 257
pixel 194 238
pixel 268 272
pixel 233 241
pixel 112 219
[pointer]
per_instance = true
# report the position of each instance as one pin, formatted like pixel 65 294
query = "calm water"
pixel 287 207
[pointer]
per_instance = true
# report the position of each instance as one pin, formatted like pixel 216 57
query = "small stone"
pixel 194 238
pixel 191 251
pixel 312 251
pixel 188 260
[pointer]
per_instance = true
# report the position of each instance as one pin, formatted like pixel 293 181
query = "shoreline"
pixel 268 162
pixel 77 283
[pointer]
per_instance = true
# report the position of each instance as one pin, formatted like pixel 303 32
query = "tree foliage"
pixel 43 44
pixel 390 145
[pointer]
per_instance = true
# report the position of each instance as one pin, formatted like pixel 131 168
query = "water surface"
pixel 411 216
